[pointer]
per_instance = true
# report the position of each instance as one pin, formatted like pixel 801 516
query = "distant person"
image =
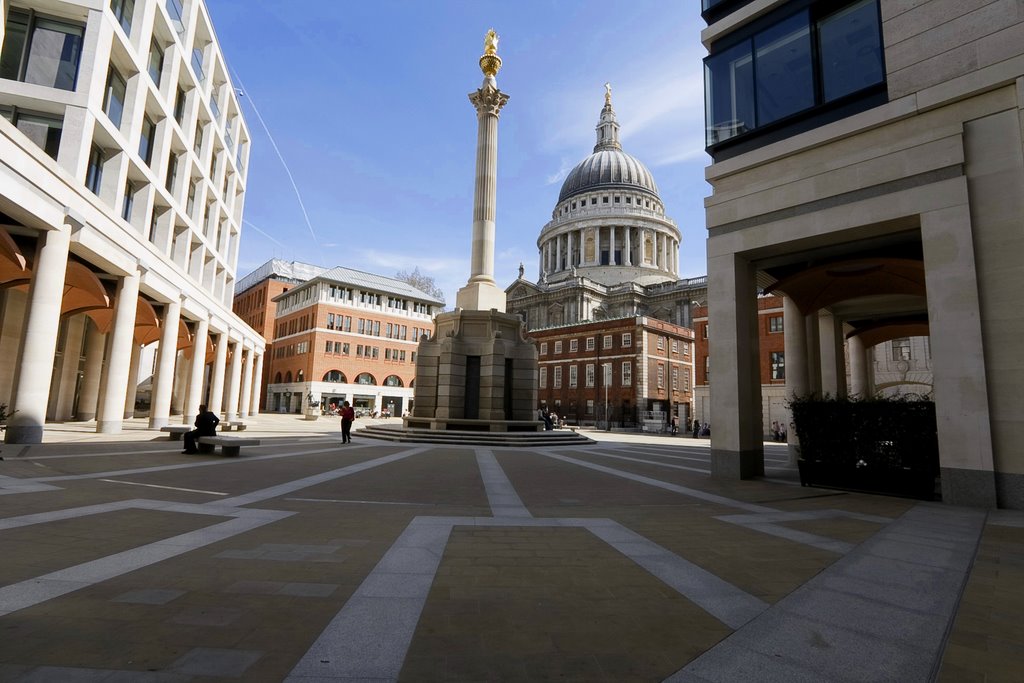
pixel 206 425
pixel 675 425
pixel 348 416
pixel 696 429
pixel 545 415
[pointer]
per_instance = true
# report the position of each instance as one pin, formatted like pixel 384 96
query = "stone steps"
pixel 474 438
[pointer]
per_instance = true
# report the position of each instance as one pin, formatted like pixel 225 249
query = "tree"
pixel 421 282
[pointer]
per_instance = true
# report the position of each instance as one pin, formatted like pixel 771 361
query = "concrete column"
pixel 597 246
pixel 833 360
pixel 859 385
pixel 163 380
pixel 628 259
pixel 568 249
pixel 481 292
pixel 246 400
pixel 217 376
pixel 92 374
pixel 257 386
pixel 39 339
pixel 611 245
pixel 196 370
pixel 133 381
pixel 795 331
pixel 234 382
pixel 118 371
pixel 180 387
pixel 558 259
pixel 962 411
pixel 737 449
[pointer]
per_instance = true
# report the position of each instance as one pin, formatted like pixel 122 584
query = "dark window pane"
pixel 729 93
pixel 146 140
pixel 851 50
pixel 113 103
pixel 54 53
pixel 785 79
pixel 42 130
pixel 15 32
pixel 94 173
pixel 156 63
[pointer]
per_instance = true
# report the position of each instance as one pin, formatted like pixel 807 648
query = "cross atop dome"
pixel 608 126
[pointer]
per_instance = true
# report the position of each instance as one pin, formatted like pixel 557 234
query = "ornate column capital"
pixel 488 100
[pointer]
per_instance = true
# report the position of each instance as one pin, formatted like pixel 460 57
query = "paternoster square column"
pixel 482 293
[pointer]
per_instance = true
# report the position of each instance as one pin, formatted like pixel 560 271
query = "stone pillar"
pixel 234 382
pixel 859 385
pixel 244 404
pixel 962 411
pixel 39 339
pixel 220 360
pixel 833 361
pixel 180 387
pixel 611 245
pixel 133 381
pixel 257 386
pixel 737 448
pixel 89 393
pixel 628 258
pixel 163 380
pixel 118 372
pixel 196 370
pixel 597 246
pixel 481 293
pixel 795 331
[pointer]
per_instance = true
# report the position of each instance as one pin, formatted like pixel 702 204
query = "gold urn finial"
pixel 490 62
pixel 608 94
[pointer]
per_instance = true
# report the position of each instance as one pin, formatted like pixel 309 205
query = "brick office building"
pixel 347 335
pixel 630 369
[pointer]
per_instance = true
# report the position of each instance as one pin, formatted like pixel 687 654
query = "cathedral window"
pixel 593 200
pixel 618 199
pixel 604 200
pixel 629 200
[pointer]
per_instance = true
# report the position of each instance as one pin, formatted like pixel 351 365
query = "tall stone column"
pixel 611 245
pixel 737 447
pixel 257 386
pixel 858 367
pixel 627 257
pixel 568 250
pixel 795 330
pixel 597 245
pixel 833 361
pixel 244 404
pixel 92 374
pixel 180 387
pixel 118 372
pixel 39 339
pixel 133 381
pixel 194 395
pixel 482 293
pixel 234 382
pixel 220 360
pixel 163 382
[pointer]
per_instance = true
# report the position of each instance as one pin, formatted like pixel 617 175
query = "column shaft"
pixel 234 382
pixel 217 376
pixel 133 381
pixel 39 339
pixel 92 374
pixel 118 370
pixel 245 402
pixel 858 367
pixel 195 381
pixel 257 386
pixel 795 330
pixel 163 381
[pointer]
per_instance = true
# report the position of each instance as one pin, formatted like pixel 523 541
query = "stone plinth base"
pixel 442 424
pixel 481 296
pixel 478 370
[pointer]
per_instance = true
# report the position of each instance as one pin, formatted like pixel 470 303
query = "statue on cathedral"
pixel 607 93
pixel 521 270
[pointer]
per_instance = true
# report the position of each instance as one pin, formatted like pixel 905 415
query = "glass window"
pixel 558 377
pixel 190 203
pixel 94 171
pixel 591 345
pixel 729 93
pixel 901 348
pixel 179 105
pixel 627 339
pixel 661 376
pixel 123 10
pixel 778 360
pixel 155 65
pixel 574 345
pixel 590 374
pixel 172 172
pixel 53 53
pixel 543 382
pixel 573 376
pixel 627 373
pixel 558 346
pixel 675 378
pixel 197 64
pixel 174 11
pixel 129 200
pixel 851 50
pixel 41 129
pixel 606 341
pixel 785 79
pixel 775 323
pixel 113 98
pixel 146 139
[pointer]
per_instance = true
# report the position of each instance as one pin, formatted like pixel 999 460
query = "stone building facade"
pixel 123 157
pixel 873 178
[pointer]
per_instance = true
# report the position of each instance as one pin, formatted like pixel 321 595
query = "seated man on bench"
pixel 206 425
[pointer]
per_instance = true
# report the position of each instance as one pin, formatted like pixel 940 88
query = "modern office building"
pixel 343 334
pixel 868 165
pixel 123 158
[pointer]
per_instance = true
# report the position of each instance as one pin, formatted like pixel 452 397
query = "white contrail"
pixel 265 234
pixel 287 170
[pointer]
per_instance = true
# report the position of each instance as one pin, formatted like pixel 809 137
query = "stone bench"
pixel 175 432
pixel 228 426
pixel 229 445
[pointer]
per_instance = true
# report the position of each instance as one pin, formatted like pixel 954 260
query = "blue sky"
pixel 367 102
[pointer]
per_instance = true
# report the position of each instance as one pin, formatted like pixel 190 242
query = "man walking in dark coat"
pixel 206 425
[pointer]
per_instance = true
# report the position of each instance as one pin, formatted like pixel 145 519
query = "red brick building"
pixel 640 367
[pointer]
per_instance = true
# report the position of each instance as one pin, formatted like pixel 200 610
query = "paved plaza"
pixel 306 560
